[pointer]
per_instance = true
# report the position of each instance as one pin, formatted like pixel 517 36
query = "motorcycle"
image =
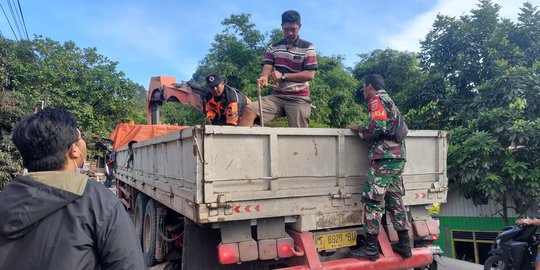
pixel 514 248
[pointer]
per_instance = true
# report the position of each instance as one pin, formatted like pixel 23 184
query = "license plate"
pixel 335 240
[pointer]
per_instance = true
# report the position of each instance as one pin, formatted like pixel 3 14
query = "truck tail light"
pixel 286 248
pixel 434 237
pixel 228 253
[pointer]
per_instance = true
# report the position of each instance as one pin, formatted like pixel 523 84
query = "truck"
pixel 225 197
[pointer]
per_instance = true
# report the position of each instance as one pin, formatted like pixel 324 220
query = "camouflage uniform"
pixel 384 184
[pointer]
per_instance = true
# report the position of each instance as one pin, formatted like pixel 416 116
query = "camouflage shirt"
pixel 382 116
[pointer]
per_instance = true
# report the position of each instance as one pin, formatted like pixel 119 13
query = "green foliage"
pixel 399 70
pixel 237 52
pixel 333 91
pixel 477 75
pixel 481 81
pixel 10 114
pixel 10 162
pixel 174 113
pixel 43 72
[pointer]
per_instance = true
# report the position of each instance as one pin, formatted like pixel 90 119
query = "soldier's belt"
pixel 391 143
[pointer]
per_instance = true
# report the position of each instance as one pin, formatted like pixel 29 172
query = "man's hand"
pixel 528 221
pixel 354 128
pixel 276 76
pixel 262 81
pixel 524 221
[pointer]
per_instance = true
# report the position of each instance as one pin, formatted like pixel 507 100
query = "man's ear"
pixel 74 151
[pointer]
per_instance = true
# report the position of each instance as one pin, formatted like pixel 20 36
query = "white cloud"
pixel 416 29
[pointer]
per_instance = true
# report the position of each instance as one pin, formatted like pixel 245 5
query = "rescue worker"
pixel 385 130
pixel 225 105
pixel 54 217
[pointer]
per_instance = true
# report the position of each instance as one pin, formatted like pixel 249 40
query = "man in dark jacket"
pixel 224 104
pixel 55 218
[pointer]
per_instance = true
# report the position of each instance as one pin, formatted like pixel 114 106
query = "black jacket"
pixel 62 220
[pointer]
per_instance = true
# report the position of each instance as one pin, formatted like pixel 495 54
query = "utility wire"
pixel 13 31
pixel 15 20
pixel 24 23
pixel 19 18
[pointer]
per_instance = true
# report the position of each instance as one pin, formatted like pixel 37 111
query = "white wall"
pixel 457 205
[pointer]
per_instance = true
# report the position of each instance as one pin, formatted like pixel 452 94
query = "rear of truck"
pixel 235 197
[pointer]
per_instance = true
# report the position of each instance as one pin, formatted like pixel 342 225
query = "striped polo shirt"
pixel 302 56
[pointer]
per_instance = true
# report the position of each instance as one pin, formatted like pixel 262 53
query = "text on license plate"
pixel 335 240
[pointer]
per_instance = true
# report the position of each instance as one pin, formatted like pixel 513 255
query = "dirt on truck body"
pixel 219 197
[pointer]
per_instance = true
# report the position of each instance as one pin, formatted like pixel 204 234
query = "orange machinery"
pixel 165 88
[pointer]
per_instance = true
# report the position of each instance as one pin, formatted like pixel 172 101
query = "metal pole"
pixel 260 103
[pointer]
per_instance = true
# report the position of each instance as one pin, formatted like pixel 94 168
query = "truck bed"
pixel 313 177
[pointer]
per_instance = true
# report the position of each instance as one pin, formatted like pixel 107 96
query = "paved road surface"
pixel 453 264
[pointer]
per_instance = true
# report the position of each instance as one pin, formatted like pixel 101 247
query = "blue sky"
pixel 150 38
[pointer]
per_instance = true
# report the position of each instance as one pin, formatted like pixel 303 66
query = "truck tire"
pixel 138 215
pixel 150 233
pixel 496 262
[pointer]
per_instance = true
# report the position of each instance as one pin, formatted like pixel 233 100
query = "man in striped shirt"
pixel 291 63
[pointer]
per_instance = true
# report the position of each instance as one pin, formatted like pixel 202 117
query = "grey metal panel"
pixel 313 175
pixel 167 169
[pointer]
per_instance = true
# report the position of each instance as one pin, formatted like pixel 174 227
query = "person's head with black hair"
pixel 290 16
pixel 372 84
pixel 375 80
pixel 290 24
pixel 50 141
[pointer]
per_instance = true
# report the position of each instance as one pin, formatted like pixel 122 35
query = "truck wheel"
pixel 496 262
pixel 150 227
pixel 138 215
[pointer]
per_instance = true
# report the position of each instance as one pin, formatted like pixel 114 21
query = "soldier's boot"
pixel 368 251
pixel 403 246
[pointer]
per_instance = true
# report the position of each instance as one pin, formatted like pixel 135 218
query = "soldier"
pixel 386 131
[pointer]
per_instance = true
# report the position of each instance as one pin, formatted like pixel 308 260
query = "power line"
pixel 13 31
pixel 24 23
pixel 15 20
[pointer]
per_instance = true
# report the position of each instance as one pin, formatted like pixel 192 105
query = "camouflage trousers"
pixel 384 188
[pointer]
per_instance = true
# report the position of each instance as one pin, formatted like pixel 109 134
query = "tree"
pixel 175 113
pixel 487 93
pixel 237 53
pixel 10 162
pixel 399 69
pixel 403 81
pixel 43 72
pixel 333 92
pixel 498 149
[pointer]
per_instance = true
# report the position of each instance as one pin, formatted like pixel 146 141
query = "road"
pixel 453 264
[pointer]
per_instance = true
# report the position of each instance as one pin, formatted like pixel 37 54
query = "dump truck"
pixel 223 197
